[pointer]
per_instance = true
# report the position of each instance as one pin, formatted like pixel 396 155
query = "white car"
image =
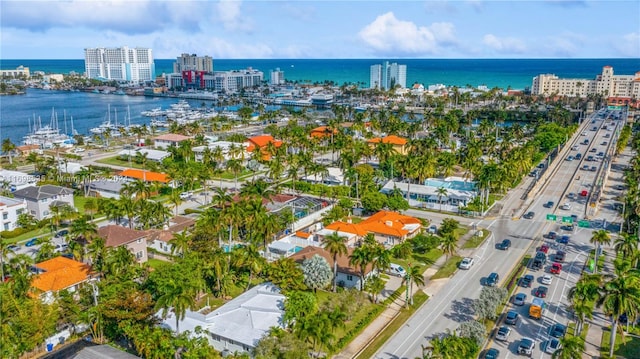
pixel 546 279
pixel 503 333
pixel 566 206
pixel 185 195
pixel 466 263
pixel 552 346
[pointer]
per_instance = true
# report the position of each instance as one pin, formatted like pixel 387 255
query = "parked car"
pixel 519 299
pixel 558 330
pixel 396 270
pixel 61 233
pixel 432 229
pixel 546 279
pixel 552 346
pixel 505 244
pixel 529 215
pixel 526 346
pixel 466 263
pixel 492 353
pixel 512 317
pixel 32 242
pixel 186 195
pixel 526 281
pixel 541 292
pixel 492 279
pixel 503 333
pixel 13 247
pixel 556 268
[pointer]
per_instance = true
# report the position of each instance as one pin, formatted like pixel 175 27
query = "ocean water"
pixel 88 110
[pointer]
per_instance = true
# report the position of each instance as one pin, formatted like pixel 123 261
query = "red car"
pixel 556 268
pixel 544 248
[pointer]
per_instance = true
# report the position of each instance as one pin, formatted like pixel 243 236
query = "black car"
pixel 541 292
pixel 558 330
pixel 548 204
pixel 512 317
pixel 560 255
pixel 552 235
pixel 526 281
pixel 529 215
pixel 492 279
pixel 492 353
pixel 505 244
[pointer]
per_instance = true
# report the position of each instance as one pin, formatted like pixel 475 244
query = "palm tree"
pixel 600 236
pixel 178 297
pixel 626 245
pixel 8 148
pixel 414 274
pixel 571 347
pixel 441 192
pixel 4 255
pixel 335 245
pixel 180 243
pixel 361 257
pixel 449 244
pixel 582 296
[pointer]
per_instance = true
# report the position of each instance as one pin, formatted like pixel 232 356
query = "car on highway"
pixel 549 204
pixel 503 333
pixel 541 292
pixel 505 244
pixel 512 317
pixel 572 195
pixel 584 193
pixel 32 242
pixel 552 346
pixel 492 353
pixel 593 168
pixel 527 280
pixel 578 156
pixel 529 215
pixel 546 279
pixel 600 154
pixel 566 206
pixel 492 279
pixel 569 158
pixel 526 346
pixel 585 167
pixel 558 330
pixel 544 249
pixel 564 239
pixel 519 299
pixel 556 268
pixel 466 263
pixel 604 143
pixel 539 261
pixel 560 255
pixel 620 187
pixel 593 150
pixel 567 227
pixel 552 235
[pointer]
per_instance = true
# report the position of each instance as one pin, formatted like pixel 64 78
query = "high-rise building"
pixel 235 80
pixel 120 64
pixel 277 77
pixel 387 76
pixel 606 84
pixel 193 62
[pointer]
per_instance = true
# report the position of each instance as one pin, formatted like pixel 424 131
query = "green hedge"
pixel 14 233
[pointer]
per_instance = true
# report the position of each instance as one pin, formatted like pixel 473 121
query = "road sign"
pixel 583 223
pixel 567 219
pixel 551 217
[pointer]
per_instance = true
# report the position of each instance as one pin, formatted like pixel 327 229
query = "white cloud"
pixel 231 16
pixel 387 35
pixel 504 45
pixel 629 46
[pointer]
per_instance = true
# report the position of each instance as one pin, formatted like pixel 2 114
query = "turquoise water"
pixel 297 249
pixel 457 185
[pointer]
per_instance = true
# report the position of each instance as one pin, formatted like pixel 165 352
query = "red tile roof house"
pixel 348 276
pixel 260 143
pixel 159 238
pixel 57 274
pixel 134 240
pixel 169 140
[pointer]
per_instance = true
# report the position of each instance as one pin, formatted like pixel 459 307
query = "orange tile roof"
pixel 347 227
pixel 389 223
pixel 262 142
pixel 145 175
pixel 392 139
pixel 302 234
pixel 322 131
pixel 172 137
pixel 60 273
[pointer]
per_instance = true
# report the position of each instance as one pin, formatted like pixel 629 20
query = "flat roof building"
pixel 606 84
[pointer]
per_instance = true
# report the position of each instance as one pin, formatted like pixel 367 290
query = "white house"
pixel 224 146
pixel 151 155
pixel 169 140
pixel 10 209
pixel 238 325
pixel 158 240
pixel 40 199
pixel 15 180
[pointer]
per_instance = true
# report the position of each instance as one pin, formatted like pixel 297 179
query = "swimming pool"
pixel 297 249
pixel 452 184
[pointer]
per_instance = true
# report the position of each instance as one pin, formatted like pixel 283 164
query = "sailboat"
pixel 106 125
pixel 46 136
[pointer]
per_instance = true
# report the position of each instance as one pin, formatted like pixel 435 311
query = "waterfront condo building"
pixel 121 64
pixel 388 76
pixel 193 62
pixel 606 84
pixel 277 77
pixel 235 80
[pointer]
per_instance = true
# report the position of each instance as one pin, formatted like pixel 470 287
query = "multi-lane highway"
pixel 451 304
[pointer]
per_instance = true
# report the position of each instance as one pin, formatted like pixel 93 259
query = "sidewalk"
pixel 377 326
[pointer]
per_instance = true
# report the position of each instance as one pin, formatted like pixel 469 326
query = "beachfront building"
pixel 134 65
pixel 40 199
pixel 606 84
pixel 238 325
pixel 193 62
pixel 19 71
pixel 458 193
pixel 10 209
pixel 235 80
pixel 387 76
pixel 276 77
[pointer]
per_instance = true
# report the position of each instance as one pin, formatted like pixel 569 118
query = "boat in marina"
pixel 47 136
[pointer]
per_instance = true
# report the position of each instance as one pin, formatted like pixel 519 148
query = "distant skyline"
pixel 264 29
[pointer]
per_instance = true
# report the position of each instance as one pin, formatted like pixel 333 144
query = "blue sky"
pixel 261 29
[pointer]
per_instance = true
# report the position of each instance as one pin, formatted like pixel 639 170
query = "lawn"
pixel 156 263
pixel 418 299
pixel 475 241
pixel 627 348
pixel 38 232
pixel 448 269
pixel 115 161
pixel 429 258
